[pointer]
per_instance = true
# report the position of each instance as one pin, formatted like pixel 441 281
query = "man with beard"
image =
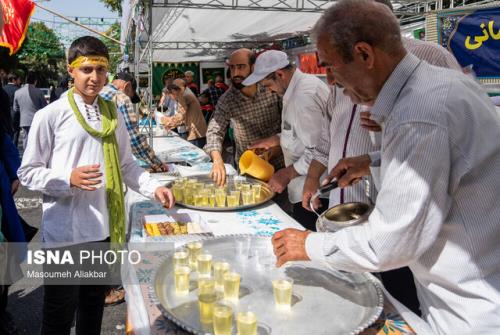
pixel 253 112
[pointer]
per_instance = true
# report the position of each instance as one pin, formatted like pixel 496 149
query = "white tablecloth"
pixel 262 221
pixel 176 149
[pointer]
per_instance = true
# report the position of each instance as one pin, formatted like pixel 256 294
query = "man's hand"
pixel 280 180
pixel 266 143
pixel 163 167
pixel 367 123
pixel 350 170
pixel 85 177
pixel 14 186
pixel 311 185
pixel 165 196
pixel 290 245
pixel 218 173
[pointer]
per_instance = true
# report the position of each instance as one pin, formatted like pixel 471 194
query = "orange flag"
pixel 16 16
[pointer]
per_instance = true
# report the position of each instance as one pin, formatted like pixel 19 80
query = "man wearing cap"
pixel 122 91
pixel 304 100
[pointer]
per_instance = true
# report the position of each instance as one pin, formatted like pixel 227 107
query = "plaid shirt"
pixel 214 93
pixel 252 118
pixel 138 141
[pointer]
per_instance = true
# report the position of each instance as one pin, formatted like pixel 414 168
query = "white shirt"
pixel 342 136
pixel 57 144
pixel 438 207
pixel 304 100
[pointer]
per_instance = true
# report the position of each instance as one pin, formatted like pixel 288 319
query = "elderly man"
pixel 351 132
pixel 253 111
pixel 189 77
pixel 304 100
pixel 188 113
pixel 437 153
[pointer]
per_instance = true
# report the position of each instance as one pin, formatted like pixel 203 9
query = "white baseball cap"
pixel 267 62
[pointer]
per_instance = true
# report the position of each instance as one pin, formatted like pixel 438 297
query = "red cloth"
pixel 17 14
pixel 194 88
pixel 207 108
pixel 222 86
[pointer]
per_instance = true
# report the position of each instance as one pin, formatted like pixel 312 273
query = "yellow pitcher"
pixel 253 165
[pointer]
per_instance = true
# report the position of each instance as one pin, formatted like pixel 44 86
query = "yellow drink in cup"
pixel 205 194
pixel 212 200
pixel 232 201
pixel 248 197
pixel 256 188
pixel 204 264
pixel 231 286
pixel 180 258
pixel 223 320
pixel 245 187
pixel 206 304
pixel 220 268
pixel 246 323
pixel 194 249
pixel 181 279
pixel 198 199
pixel 282 289
pixel 206 285
pixel 220 198
pixel 178 190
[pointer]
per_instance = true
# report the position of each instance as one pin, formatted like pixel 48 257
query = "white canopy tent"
pixel 200 34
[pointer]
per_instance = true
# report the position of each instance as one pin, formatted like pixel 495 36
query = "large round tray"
pixel 266 195
pixel 325 301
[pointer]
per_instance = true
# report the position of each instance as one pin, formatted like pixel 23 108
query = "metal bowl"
pixel 324 301
pixel 343 215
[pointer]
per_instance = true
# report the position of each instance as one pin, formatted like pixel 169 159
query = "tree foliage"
pixel 113 47
pixel 114 5
pixel 43 53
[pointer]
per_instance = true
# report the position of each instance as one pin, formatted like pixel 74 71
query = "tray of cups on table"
pixel 230 285
pixel 239 192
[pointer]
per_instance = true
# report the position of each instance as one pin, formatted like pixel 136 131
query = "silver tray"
pixel 266 195
pixel 325 301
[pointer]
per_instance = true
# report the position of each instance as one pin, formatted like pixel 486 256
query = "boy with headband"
pixel 79 156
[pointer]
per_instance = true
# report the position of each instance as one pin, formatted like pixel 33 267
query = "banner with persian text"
pixel 474 39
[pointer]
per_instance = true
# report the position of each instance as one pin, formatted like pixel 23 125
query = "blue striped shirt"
pixel 437 210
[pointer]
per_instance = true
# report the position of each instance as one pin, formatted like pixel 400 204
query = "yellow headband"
pixel 90 60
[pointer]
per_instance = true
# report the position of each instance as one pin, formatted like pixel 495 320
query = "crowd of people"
pixel 396 111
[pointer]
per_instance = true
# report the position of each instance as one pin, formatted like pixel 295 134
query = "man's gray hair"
pixel 189 73
pixel 348 22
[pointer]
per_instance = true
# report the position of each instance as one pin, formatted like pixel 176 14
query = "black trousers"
pixel 60 302
pixel 401 285
pixel 306 218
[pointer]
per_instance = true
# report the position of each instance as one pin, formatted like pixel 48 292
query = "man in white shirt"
pixel 79 156
pixel 304 100
pixel 437 208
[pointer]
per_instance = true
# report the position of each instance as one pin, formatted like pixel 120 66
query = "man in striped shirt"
pixel 437 208
pixel 351 133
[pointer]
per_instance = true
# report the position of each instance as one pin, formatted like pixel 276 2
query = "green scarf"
pixel 114 186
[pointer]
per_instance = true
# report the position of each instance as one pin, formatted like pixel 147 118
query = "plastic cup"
pixel 282 289
pixel 181 279
pixel 246 323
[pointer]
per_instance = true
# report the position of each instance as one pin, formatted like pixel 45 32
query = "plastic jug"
pixel 253 165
